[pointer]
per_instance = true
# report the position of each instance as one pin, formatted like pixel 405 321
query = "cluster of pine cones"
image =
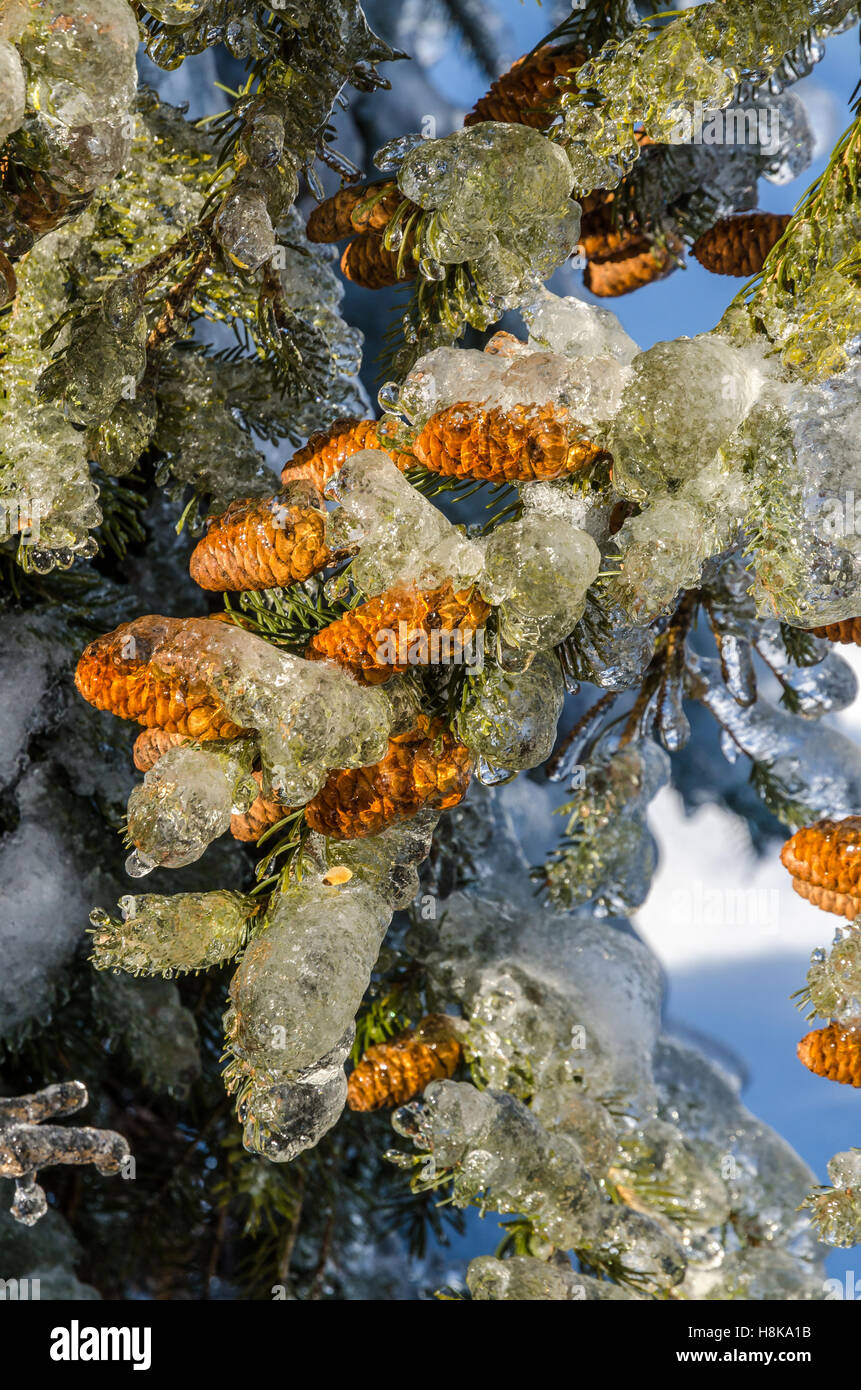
pixel 621 256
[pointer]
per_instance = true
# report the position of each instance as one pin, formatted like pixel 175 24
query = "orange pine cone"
pixel 363 639
pixel 368 263
pixel 739 245
pixel 635 264
pixel 849 630
pixel 425 767
pixel 342 214
pixel 263 813
pixel 520 95
pixel 833 1052
pixel 151 744
pixel 392 1073
pixel 259 543
pixel 327 450
pixel 119 672
pixel 518 445
pixel 825 862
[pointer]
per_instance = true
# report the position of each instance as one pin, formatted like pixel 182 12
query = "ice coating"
pixel 508 721
pixel 403 539
pixel 538 981
pixel 684 400
pixel 309 716
pixel 282 1120
pixel 171 934
pixel 608 855
pixel 185 802
pixel 834 979
pixel 577 356
pixel 538 570
pixel 13 92
pixel 513 234
pixel 301 980
pixel 82 80
pixel 522 1277
pixel 805 541
pixel 817 769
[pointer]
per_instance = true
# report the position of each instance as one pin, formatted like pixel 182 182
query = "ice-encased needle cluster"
pixel 512 232
pixel 167 935
pixel 294 998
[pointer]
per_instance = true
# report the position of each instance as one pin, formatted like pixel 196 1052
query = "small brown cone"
pixel 833 1052
pixel 343 215
pixel 739 245
pixel 521 444
pixel 367 263
pixel 824 860
pixel 327 450
pixel 259 543
pixel 521 95
pixel 849 630
pixel 425 767
pixel 392 1073
pixel 152 744
pixel 263 813
pixel 119 672
pixel 361 641
pixel 636 264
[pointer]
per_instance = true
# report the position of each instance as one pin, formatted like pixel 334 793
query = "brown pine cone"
pixel 825 862
pixel 361 641
pixel 327 450
pixel 739 245
pixel 151 744
pixel 8 280
pixel 833 1052
pixel 503 344
pixel 849 630
pixel 259 543
pixel 39 205
pixel 638 264
pixel 517 445
pixel 263 813
pixel 425 767
pixel 342 215
pixel 394 1072
pixel 367 262
pixel 520 96
pixel 119 672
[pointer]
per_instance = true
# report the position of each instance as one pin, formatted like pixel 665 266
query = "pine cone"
pixel 739 245
pixel 327 450
pixel 392 1073
pixel 518 445
pixel 425 767
pixel 339 216
pixel 503 344
pixel 39 205
pixel 833 1052
pixel 119 672
pixel 358 640
pixel 367 262
pixel 520 95
pixel 259 543
pixel 636 264
pixel 151 744
pixel 849 630
pixel 263 813
pixel 825 862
